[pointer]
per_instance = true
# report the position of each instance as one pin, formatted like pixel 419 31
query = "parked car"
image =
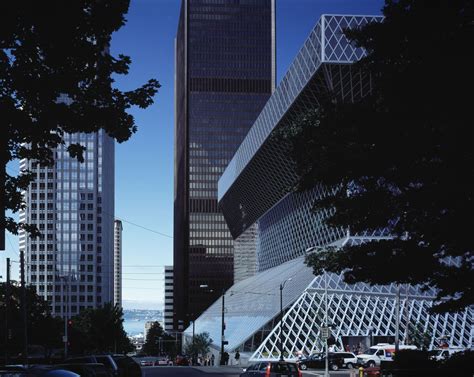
pixel 36 371
pixel 350 359
pixel 127 366
pixel 107 360
pixel 272 369
pixel 318 361
pixel 147 363
pixel 181 360
pixel 86 370
pixel 162 361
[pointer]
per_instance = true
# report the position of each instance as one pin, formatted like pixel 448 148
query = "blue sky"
pixel 144 164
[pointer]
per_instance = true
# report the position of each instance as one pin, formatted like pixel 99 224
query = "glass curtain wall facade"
pixel 225 73
pixel 71 263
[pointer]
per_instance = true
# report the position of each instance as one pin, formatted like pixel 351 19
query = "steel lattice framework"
pixel 361 310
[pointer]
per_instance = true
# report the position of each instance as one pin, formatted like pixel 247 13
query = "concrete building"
pixel 225 73
pixel 118 263
pixel 168 312
pixel 254 197
pixel 71 263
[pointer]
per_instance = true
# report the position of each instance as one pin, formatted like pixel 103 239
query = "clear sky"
pixel 144 164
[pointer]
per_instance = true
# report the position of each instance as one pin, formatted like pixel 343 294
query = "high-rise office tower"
pixel 72 204
pixel 168 312
pixel 118 262
pixel 225 73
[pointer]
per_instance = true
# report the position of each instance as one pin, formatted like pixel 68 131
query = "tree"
pixel 57 77
pixel 99 330
pixel 402 157
pixel 200 345
pixel 152 344
pixel 43 329
pixel 419 337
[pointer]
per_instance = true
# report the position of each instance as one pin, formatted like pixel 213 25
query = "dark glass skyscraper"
pixel 225 73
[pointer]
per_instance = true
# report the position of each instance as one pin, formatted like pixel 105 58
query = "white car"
pixel 350 359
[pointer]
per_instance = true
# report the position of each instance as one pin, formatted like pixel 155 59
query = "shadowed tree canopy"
pixel 53 50
pixel 99 330
pixel 43 329
pixel 402 157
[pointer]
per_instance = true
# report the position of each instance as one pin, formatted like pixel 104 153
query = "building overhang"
pixel 260 173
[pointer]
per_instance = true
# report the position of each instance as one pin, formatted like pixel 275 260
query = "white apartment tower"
pixel 168 314
pixel 118 263
pixel 71 264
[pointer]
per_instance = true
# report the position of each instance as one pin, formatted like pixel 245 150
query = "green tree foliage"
pixel 158 341
pixel 200 345
pixel 43 329
pixel 99 330
pixel 402 157
pixel 55 49
pixel 152 344
pixel 419 337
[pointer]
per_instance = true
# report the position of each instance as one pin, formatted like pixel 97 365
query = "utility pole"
pixel 397 321
pixel 282 285
pixel 66 316
pixel 326 323
pixel 24 307
pixel 7 310
pixel 222 328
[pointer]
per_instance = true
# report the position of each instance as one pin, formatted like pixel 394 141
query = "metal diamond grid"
pixel 304 66
pixel 337 49
pixel 357 309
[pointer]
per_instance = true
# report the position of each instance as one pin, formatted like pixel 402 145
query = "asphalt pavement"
pixel 217 371
pixel 180 371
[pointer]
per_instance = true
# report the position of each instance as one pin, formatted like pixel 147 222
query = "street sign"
pixel 64 339
pixel 325 332
pixel 225 342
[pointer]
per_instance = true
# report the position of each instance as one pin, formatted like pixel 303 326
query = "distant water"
pixel 134 327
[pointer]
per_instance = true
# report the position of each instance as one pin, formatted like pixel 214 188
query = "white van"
pixel 444 353
pixel 380 352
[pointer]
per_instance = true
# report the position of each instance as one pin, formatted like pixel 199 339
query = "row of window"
pixel 50 278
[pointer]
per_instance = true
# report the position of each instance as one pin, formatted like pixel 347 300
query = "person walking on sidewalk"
pixel 237 358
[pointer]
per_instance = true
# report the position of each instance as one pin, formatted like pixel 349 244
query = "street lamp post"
pixel 282 285
pixel 326 318
pixel 222 328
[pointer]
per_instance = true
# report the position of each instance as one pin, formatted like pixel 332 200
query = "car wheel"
pixel 371 364
pixel 303 367
pixel 334 367
pixel 349 366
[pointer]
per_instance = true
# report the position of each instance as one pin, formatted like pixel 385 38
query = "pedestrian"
pixel 237 358
pixel 225 358
pixel 212 359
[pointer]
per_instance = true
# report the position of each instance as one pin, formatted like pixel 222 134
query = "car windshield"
pixel 372 351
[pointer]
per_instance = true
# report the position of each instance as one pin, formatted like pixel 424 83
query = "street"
pixel 180 371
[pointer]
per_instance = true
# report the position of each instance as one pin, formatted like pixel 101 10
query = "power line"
pixel 138 225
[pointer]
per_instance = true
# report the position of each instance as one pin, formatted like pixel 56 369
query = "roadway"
pixel 180 371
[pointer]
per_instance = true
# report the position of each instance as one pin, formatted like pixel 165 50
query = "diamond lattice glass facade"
pixel 253 193
pixel 225 73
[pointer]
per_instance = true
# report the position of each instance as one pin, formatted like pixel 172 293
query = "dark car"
pixel 107 360
pixel 318 361
pixel 127 366
pixel 36 371
pixel 182 360
pixel 272 369
pixel 86 370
